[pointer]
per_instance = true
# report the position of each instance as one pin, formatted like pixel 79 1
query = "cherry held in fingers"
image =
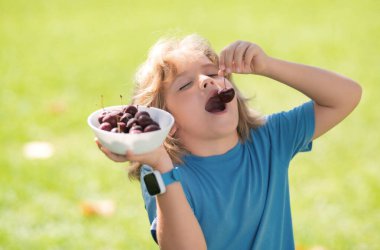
pixel 226 95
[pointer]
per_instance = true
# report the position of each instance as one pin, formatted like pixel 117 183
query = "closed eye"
pixel 212 75
pixel 185 86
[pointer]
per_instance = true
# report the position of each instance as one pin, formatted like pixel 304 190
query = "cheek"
pixel 229 84
pixel 235 110
pixel 180 108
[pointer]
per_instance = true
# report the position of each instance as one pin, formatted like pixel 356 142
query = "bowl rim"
pixel 89 118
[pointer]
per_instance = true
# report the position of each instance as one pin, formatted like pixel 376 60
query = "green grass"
pixel 58 57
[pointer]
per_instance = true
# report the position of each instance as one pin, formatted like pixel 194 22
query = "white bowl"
pixel 119 143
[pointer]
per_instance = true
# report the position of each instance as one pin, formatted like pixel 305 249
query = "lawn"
pixel 58 57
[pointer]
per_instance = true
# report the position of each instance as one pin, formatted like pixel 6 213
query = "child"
pixel 232 189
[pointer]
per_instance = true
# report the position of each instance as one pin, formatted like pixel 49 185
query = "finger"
pixel 97 143
pixel 229 55
pixel 222 66
pixel 239 54
pixel 249 55
pixel 221 73
pixel 112 156
pixel 129 154
pixel 109 154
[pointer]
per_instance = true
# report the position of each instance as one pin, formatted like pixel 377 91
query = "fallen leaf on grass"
pixel 57 107
pixel 317 248
pixel 100 208
pixel 300 247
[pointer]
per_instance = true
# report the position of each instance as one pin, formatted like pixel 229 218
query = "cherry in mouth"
pixel 217 103
pixel 226 95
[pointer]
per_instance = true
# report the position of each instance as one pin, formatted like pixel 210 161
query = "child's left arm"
pixel 335 96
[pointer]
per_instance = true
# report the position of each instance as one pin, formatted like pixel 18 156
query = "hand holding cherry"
pixel 244 58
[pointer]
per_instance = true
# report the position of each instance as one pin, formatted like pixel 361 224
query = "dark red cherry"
pixel 115 130
pixel 226 95
pixel 131 122
pixel 137 127
pixel 144 120
pixel 111 119
pixel 130 109
pixel 126 117
pixel 151 128
pixel 122 127
pixel 101 116
pixel 140 113
pixel 105 126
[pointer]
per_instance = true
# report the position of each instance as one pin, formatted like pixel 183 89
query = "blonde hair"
pixel 160 68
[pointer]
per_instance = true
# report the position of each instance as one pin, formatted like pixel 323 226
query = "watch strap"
pixel 171 176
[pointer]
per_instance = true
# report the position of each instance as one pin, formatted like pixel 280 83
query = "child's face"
pixel 186 98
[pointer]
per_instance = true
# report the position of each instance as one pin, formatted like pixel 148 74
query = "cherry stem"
pixel 101 102
pixel 224 80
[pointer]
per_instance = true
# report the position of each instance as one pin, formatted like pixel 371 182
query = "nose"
pixel 206 82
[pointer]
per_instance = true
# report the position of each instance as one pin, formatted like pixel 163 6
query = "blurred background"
pixel 58 191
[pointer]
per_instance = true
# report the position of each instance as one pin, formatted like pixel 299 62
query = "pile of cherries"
pixel 127 120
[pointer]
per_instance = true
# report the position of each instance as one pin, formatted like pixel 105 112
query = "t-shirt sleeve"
pixel 292 131
pixel 150 202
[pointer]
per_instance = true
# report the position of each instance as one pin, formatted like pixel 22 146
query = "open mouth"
pixel 214 105
pixel 218 100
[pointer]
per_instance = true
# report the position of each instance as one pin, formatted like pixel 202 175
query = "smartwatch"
pixel 156 182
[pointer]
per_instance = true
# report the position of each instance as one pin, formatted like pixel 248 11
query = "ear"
pixel 173 129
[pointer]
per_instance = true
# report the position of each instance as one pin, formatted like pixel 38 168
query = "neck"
pixel 209 147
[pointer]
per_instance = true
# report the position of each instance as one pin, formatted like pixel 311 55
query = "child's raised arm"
pixel 335 96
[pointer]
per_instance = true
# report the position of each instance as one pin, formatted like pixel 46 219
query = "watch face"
pixel 151 184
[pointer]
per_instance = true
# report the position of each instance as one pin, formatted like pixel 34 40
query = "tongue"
pixel 215 105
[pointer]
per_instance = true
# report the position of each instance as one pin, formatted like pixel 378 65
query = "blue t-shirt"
pixel 241 198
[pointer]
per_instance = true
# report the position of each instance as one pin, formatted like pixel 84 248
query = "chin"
pixel 225 130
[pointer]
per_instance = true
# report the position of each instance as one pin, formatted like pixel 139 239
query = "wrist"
pixel 268 66
pixel 156 182
pixel 164 164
